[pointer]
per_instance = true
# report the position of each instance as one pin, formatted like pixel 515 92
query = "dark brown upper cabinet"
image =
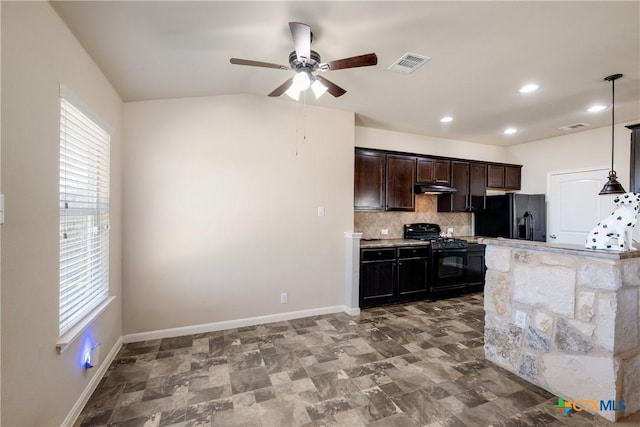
pixel 477 186
pixel 369 180
pixel 503 176
pixel 634 175
pixel 470 179
pixel 433 171
pixel 495 176
pixel 512 177
pixel 385 180
pixel 401 172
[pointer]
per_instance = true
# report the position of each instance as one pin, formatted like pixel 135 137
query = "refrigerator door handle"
pixel 528 223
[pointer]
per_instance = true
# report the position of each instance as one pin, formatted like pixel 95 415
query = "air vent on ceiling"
pixel 574 126
pixel 408 63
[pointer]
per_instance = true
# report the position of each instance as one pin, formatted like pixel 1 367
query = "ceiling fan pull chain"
pixel 304 118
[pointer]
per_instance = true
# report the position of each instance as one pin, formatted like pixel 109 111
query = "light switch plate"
pixel 1 208
pixel 321 211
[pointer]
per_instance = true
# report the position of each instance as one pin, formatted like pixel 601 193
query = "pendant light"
pixel 612 186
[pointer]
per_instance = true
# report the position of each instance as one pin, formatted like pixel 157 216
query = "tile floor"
pixel 406 365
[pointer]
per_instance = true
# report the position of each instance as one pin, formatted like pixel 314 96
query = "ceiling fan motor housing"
pixel 311 64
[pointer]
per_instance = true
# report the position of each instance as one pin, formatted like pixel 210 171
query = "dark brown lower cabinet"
pixel 413 273
pixel 392 275
pixel 475 267
pixel 377 277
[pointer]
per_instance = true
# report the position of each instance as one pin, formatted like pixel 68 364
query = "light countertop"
pixel 381 243
pixel 559 248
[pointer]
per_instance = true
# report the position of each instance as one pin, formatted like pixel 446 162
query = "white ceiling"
pixel 482 52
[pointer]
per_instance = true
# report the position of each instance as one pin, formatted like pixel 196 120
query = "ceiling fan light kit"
pixel 612 186
pixel 305 62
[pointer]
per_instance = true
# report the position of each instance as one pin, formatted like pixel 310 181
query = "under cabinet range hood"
pixel 434 189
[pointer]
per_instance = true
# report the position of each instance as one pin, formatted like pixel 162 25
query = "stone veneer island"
pixel 580 338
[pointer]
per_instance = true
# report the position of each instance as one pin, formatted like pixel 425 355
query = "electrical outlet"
pixel 284 298
pixel 384 231
pixel 521 319
pixel 321 211
pixel 450 231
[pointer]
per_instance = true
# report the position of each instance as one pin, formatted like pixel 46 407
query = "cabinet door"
pixel 512 177
pixel 377 282
pixel 442 172
pixel 460 181
pixel 369 180
pixel 401 173
pixel 477 186
pixel 458 201
pixel 433 171
pixel 412 278
pixel 495 176
pixel 475 267
pixel 426 171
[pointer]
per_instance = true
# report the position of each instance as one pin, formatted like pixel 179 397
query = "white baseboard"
pixel 237 323
pixel 73 415
pixel 352 311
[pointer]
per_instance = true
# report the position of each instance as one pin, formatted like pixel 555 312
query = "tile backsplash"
pixel 371 223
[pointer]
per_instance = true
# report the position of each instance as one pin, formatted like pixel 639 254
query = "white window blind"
pixel 84 215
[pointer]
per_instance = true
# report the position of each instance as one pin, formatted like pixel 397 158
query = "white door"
pixel 575 206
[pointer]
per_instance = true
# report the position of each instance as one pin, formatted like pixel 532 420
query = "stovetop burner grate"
pixel 431 233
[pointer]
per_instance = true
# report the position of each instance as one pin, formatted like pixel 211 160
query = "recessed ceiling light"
pixel 510 131
pixel 531 87
pixel 446 119
pixel 596 108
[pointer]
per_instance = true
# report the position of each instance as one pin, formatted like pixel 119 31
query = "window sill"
pixel 70 336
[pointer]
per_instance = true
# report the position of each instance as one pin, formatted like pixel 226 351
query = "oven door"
pixel 449 269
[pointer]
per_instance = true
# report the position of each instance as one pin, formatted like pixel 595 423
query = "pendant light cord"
pixel 613 118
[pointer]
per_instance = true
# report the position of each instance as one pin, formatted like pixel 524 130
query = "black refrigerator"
pixel 514 216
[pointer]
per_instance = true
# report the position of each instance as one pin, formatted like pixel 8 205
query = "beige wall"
pixel 582 150
pixel 420 144
pixel 40 387
pixel 220 215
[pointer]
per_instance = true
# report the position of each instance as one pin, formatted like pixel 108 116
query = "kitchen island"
pixel 566 319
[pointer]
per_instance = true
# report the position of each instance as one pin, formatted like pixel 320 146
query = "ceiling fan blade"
pixel 301 34
pixel 282 88
pixel 332 88
pixel 239 61
pixel 353 62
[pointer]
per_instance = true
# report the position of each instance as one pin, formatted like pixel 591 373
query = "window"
pixel 84 215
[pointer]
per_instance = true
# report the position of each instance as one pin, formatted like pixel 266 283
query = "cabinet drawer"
pixel 418 252
pixel 378 254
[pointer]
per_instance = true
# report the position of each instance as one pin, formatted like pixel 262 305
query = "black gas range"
pixel 432 233
pixel 448 263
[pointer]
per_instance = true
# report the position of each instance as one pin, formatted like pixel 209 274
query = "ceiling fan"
pixel 305 62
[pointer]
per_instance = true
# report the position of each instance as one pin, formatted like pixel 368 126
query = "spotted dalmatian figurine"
pixel 614 232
